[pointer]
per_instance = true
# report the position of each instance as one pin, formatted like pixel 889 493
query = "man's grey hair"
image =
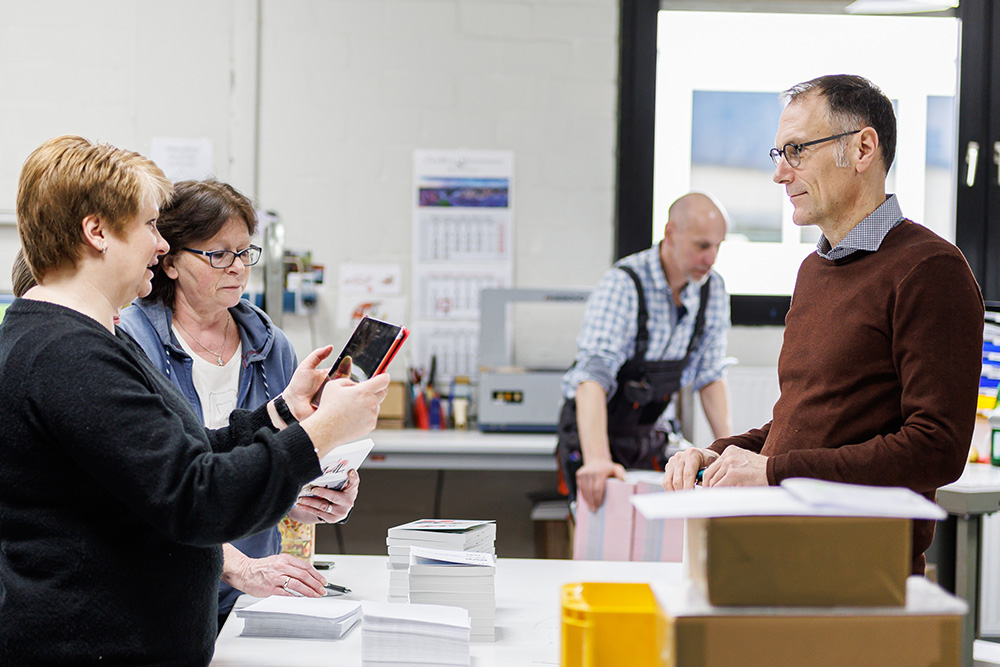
pixel 853 102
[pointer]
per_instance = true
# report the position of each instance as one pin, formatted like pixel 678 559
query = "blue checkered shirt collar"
pixel 867 234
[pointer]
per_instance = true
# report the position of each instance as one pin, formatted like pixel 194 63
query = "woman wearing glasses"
pixel 113 495
pixel 224 353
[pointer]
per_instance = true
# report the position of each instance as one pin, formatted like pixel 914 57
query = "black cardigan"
pixel 114 498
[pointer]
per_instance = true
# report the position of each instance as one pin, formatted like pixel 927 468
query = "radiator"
pixel 752 394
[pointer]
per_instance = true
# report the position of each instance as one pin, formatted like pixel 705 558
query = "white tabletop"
pixel 528 616
pixel 977 477
pixel 414 449
pixel 977 491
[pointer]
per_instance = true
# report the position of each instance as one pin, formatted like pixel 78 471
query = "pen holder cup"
pixel 297 538
pixel 611 624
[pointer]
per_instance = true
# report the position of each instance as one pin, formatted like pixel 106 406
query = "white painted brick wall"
pixel 535 76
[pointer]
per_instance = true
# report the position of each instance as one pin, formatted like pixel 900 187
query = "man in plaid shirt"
pixel 657 321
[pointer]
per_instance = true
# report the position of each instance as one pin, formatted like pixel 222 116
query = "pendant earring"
pixel 104 249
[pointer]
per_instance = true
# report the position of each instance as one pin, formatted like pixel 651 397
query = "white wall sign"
pixel 182 159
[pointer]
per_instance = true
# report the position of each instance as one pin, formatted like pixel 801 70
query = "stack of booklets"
pixel 457 579
pixel 299 618
pixel 414 634
pixel 454 534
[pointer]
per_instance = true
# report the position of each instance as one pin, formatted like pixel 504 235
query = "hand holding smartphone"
pixel 371 347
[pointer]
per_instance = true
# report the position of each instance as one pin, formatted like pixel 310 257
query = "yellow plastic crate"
pixel 611 625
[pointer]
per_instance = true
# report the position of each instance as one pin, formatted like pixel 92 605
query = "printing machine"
pixel 513 397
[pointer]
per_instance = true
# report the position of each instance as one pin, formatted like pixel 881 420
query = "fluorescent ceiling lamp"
pixel 898 6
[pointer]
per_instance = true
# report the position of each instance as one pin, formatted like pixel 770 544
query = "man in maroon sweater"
pixel 879 368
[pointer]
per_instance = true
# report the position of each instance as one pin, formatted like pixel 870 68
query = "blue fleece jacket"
pixel 268 362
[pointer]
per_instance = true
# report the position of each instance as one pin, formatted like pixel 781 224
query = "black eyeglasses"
pixel 793 152
pixel 223 259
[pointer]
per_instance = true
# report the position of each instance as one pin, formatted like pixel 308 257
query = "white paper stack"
pixel 456 534
pixel 458 579
pixel 300 618
pixel 414 634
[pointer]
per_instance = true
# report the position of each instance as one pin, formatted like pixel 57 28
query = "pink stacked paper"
pixel 656 540
pixel 607 533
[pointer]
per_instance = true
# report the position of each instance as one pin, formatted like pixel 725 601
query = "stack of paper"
pixel 459 579
pixel 299 618
pixel 796 496
pixel 455 534
pixel 414 634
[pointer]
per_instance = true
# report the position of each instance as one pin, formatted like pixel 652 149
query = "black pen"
pixel 337 589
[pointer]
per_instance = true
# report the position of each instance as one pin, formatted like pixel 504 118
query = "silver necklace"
pixel 225 337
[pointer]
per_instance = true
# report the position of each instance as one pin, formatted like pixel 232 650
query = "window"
pixel 717 114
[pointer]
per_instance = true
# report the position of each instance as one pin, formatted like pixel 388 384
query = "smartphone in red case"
pixel 371 348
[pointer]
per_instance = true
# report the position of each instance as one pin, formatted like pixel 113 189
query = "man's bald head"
pixel 696 226
pixel 697 207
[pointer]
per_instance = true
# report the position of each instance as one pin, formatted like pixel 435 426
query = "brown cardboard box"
pixel 800 560
pixel 392 412
pixel 925 634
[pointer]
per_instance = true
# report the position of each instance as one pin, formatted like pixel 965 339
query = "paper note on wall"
pixel 381 279
pixel 182 159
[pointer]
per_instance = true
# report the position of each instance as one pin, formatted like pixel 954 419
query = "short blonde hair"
pixel 68 178
pixel 20 275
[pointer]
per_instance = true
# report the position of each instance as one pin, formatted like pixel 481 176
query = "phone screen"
pixel 371 348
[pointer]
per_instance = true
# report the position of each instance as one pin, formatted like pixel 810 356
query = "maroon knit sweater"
pixel 879 371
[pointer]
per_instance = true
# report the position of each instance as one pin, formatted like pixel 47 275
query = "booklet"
pixel 451 558
pixel 339 461
pixel 439 526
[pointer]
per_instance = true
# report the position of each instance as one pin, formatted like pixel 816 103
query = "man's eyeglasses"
pixel 793 152
pixel 223 259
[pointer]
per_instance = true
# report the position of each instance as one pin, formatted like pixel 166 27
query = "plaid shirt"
pixel 607 337
pixel 867 234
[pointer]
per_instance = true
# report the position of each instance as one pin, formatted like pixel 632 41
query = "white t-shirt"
pixel 217 386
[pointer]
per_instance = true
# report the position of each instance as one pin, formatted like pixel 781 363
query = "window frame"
pixel 636 131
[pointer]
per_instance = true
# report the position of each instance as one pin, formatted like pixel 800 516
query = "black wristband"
pixel 283 411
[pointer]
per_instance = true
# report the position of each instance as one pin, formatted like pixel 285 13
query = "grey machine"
pixel 513 397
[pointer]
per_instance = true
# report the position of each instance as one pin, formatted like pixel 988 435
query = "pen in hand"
pixel 330 587
pixel 337 589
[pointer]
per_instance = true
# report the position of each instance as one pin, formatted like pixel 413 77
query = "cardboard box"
pixel 392 412
pixel 800 560
pixel 805 542
pixel 925 633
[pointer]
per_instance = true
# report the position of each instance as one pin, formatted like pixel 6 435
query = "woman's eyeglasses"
pixel 223 259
